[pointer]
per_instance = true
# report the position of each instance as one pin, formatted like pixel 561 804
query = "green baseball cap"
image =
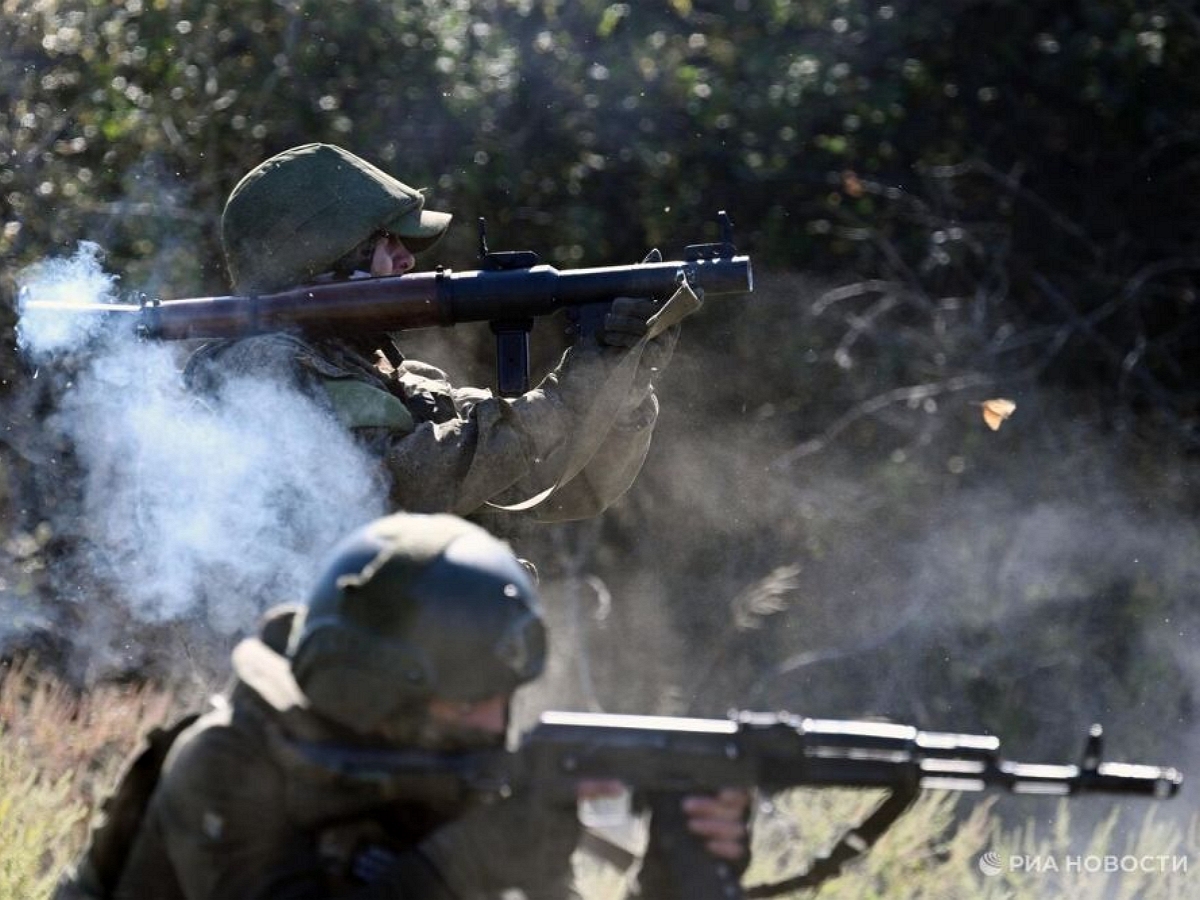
pixel 294 215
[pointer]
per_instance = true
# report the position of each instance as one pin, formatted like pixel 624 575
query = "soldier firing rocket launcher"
pixel 509 290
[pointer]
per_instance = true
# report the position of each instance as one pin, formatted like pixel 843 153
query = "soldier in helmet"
pixel 415 636
pixel 319 212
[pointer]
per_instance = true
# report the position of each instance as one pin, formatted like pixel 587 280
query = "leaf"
pixel 765 597
pixel 996 411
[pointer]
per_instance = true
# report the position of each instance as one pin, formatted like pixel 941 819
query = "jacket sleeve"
pixel 610 473
pixel 466 447
pixel 506 451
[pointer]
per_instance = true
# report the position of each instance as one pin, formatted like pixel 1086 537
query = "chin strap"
pixel 851 845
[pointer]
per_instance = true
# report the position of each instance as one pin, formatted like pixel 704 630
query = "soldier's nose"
pixel 391 257
pixel 402 260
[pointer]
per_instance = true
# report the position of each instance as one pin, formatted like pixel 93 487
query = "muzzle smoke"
pixel 44 333
pixel 195 509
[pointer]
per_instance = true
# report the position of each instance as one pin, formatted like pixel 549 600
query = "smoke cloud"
pixel 198 509
pixel 44 330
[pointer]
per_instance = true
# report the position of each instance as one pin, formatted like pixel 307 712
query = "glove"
pixel 512 843
pixel 625 325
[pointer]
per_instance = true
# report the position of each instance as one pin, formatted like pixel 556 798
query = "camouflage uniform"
pixel 581 435
pixel 236 817
pixel 449 449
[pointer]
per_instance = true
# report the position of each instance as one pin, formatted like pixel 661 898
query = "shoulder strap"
pixel 850 845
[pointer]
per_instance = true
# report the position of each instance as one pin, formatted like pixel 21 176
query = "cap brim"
pixel 420 228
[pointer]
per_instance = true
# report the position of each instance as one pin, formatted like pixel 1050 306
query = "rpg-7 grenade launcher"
pixel 509 291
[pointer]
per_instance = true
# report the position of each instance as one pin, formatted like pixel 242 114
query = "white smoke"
pixel 208 509
pixel 44 329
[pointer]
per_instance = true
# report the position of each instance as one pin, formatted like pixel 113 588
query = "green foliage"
pixel 1043 185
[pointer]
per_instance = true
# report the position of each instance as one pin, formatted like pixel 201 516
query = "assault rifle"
pixel 510 290
pixel 663 758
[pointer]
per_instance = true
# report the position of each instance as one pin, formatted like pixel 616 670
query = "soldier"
pixel 415 637
pixel 318 212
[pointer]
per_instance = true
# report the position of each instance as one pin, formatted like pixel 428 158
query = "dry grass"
pixel 59 753
pixel 936 851
pixel 40 823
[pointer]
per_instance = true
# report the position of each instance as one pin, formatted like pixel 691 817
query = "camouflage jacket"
pixel 237 816
pixel 236 813
pixel 457 450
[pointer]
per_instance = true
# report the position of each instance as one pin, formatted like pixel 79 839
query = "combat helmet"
pixel 412 607
pixel 294 215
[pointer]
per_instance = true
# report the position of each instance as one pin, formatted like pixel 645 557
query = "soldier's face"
pixel 488 716
pixel 391 257
pixel 454 726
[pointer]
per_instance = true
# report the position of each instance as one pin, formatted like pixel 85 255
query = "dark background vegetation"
pixel 945 202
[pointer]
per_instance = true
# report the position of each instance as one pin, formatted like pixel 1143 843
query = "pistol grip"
pixel 512 356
